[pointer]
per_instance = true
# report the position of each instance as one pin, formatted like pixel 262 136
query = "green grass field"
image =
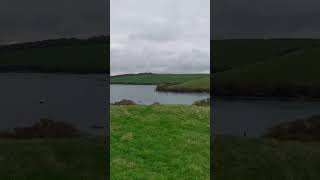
pixel 197 85
pixel 147 78
pixel 240 158
pixel 160 142
pixel 239 53
pixel 51 159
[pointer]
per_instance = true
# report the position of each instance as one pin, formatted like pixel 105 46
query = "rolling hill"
pixel 58 55
pixel 291 73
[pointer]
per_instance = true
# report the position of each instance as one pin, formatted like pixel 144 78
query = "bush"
pixel 124 102
pixel 45 128
pixel 301 129
pixel 203 102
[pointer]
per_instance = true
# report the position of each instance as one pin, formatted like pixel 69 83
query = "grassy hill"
pixel 60 55
pixel 65 159
pixel 160 142
pixel 290 72
pixel 229 54
pixel 154 79
pixel 197 85
pixel 240 158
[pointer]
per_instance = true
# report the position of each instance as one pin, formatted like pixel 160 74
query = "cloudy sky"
pixel 266 19
pixel 167 36
pixel 31 20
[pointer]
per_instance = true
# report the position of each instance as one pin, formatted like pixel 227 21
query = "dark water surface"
pixel 146 94
pixel 234 117
pixel 81 100
pixel 77 99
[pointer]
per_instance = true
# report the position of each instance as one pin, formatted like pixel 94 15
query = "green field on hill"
pixel 237 53
pixel 154 79
pixel 242 158
pixel 61 55
pixel 286 68
pixel 160 142
pixel 197 85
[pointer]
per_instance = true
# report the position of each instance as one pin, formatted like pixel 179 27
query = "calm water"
pixel 77 99
pixel 146 94
pixel 255 117
pixel 81 100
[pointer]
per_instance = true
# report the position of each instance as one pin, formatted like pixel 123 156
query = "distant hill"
pixel 155 79
pixel 278 68
pixel 58 55
pixel 227 54
pixel 196 85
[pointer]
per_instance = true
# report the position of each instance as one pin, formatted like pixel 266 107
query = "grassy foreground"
pixel 160 142
pixel 51 159
pixel 240 158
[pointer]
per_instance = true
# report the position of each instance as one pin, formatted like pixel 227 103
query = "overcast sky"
pixel 167 36
pixel 30 20
pixel 266 18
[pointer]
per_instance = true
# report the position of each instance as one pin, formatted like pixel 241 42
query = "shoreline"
pixel 164 91
pixel 267 98
pixel 231 97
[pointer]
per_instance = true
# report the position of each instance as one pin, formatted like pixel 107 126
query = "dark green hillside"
pixel 277 68
pixel 61 55
pixel 196 85
pixel 233 53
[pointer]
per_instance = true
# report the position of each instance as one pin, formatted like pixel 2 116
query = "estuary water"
pixel 26 98
pixel 147 94
pixel 81 100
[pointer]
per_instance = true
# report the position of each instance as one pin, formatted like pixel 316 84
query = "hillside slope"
pixel 268 68
pixel 227 54
pixel 197 85
pixel 292 75
pixel 59 55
